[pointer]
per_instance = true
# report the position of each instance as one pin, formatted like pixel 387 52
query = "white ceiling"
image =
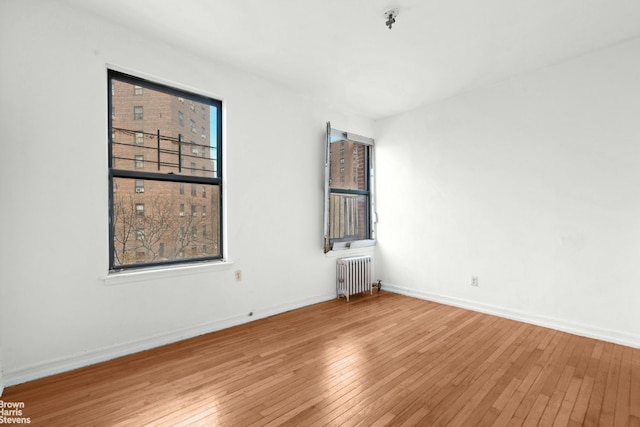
pixel 341 52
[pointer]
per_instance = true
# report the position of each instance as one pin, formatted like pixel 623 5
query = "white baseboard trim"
pixel 615 337
pixel 52 367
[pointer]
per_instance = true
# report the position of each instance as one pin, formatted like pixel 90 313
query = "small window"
pixel 137 90
pixel 194 232
pixel 138 113
pixel 139 186
pixel 140 234
pixel 192 124
pixel 204 191
pixel 139 161
pixel 193 190
pixel 204 132
pixel 181 189
pixel 180 118
pixel 204 211
pixel 140 208
pixel 138 138
pixel 349 197
pixel 194 210
pixel 194 148
pixel 181 209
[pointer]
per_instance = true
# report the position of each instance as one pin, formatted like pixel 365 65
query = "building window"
pixel 149 234
pixel 138 113
pixel 203 132
pixel 192 124
pixel 204 191
pixel 348 192
pixel 204 211
pixel 139 161
pixel 180 118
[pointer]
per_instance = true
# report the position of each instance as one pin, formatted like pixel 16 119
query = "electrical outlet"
pixel 474 280
pixel 238 275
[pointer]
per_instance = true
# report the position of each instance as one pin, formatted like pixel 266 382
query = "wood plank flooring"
pixel 376 360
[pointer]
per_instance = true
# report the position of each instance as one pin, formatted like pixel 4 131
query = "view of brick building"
pixel 348 171
pixel 157 132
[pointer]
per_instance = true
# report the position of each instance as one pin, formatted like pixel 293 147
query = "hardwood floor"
pixel 381 360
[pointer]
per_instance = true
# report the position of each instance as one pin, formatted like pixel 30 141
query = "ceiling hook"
pixel 390 15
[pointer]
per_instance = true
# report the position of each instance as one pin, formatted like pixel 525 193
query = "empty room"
pixel 248 213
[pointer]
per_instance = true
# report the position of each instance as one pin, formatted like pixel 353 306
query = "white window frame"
pixel 339 135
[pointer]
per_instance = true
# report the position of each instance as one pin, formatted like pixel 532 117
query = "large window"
pixel 149 165
pixel 349 196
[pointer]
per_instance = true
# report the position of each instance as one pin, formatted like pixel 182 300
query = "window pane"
pixel 349 217
pixel 151 226
pixel 348 165
pixel 138 115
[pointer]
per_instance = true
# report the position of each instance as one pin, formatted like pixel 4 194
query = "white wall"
pixel 532 186
pixel 56 310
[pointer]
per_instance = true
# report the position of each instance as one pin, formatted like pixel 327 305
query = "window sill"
pixel 143 275
pixel 361 247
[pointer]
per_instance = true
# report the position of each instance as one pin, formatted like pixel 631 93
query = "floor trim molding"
pixel 615 337
pixel 52 367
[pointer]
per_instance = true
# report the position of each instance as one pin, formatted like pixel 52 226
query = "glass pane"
pixel 348 217
pixel 187 144
pixel 150 223
pixel 348 165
